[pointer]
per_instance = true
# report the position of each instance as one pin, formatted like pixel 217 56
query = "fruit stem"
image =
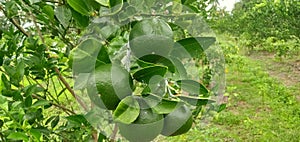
pixel 114 134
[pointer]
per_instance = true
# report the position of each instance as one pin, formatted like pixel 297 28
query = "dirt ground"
pixel 286 70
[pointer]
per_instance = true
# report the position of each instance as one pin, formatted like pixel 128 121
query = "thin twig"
pixel 42 39
pixel 61 78
pixel 57 105
pixel 14 22
pixel 114 134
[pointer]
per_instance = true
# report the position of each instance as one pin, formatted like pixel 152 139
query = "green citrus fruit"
pixel 113 84
pixel 151 36
pixel 145 128
pixel 177 122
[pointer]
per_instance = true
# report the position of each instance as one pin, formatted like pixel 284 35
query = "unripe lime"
pixel 113 84
pixel 145 128
pixel 151 36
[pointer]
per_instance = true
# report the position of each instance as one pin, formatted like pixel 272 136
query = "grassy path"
pixel 261 107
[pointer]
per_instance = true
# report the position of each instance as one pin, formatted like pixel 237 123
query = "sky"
pixel 229 4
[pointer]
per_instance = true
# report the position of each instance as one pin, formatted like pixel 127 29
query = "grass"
pixel 260 108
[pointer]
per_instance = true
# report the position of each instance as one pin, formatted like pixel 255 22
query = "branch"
pixel 61 78
pixel 114 134
pixel 57 105
pixel 14 22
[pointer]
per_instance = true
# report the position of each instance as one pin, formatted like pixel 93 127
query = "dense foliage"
pixel 46 44
pixel 271 25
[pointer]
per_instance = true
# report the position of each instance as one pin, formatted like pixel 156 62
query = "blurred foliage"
pixel 264 24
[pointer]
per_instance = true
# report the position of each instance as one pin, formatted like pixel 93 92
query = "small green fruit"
pixel 113 84
pixel 145 128
pixel 151 36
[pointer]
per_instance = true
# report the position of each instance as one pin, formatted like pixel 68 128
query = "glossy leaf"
pixel 64 15
pixel 221 108
pixel 192 47
pixel 88 55
pixel 36 133
pixel 146 74
pixel 81 21
pixel 103 2
pixel 156 59
pixel 127 111
pixel 165 106
pixel 5 81
pixel 81 81
pixel 115 5
pixel 178 122
pixel 196 101
pixel 18 136
pixel 78 120
pixel 151 36
pixel 192 87
pixel 34 1
pixel 151 44
pixel 79 6
pixel 153 26
pixel 48 10
pixel 28 101
pixel 180 72
pixel 41 103
pixel 55 121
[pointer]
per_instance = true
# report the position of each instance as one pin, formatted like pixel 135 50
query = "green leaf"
pixel 36 133
pixel 142 5
pixel 165 106
pixel 127 111
pixel 196 101
pixel 34 1
pixel 192 87
pixel 82 21
pixel 64 15
pixel 108 31
pixel 5 81
pixel 29 90
pixel 146 74
pixel 18 136
pixel 28 101
pixel 101 137
pixel 41 103
pixel 151 36
pixel 186 2
pixel 115 5
pixel 2 99
pixel 103 2
pixel 20 70
pixel 1 123
pixel 48 10
pixel 157 59
pixel 221 108
pixel 81 81
pixel 88 55
pixel 79 6
pixel 180 72
pixel 55 121
pixel 78 120
pixel 151 44
pixel 11 8
pixel 192 47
